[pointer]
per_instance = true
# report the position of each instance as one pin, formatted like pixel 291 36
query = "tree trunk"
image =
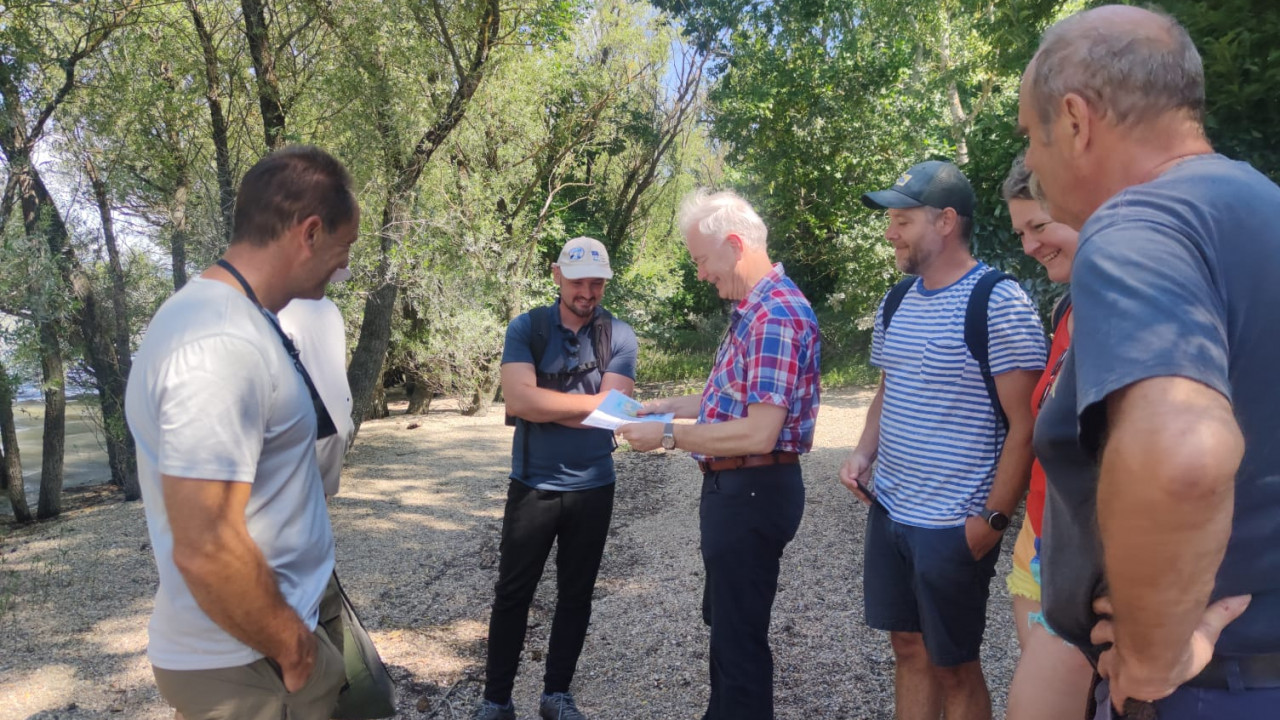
pixel 178 234
pixel 403 172
pixel 420 394
pixel 485 391
pixel 55 421
pixel 11 463
pixel 217 121
pixel 113 343
pixel 264 71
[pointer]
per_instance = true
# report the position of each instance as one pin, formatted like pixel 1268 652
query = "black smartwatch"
pixel 996 519
pixel 669 439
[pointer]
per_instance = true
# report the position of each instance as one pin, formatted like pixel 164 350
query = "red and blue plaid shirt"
pixel 770 354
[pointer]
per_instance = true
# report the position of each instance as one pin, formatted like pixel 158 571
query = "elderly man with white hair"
pixel 754 419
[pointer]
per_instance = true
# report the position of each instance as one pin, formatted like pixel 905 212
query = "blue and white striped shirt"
pixel 940 439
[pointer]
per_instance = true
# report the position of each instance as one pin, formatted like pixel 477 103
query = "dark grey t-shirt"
pixel 1179 277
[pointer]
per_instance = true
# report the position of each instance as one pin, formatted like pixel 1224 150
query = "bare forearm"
pixel 755 434
pixel 1165 503
pixel 232 583
pixel 1013 472
pixel 869 442
pixel 541 405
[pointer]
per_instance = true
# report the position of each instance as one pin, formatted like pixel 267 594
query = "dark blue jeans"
pixel 578 523
pixel 747 517
pixel 1189 703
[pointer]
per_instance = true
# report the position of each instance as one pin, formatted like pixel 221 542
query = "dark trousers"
pixel 747 517
pixel 578 523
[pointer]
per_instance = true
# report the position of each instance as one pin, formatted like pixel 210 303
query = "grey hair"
pixel 717 214
pixel 1017 185
pixel 1131 73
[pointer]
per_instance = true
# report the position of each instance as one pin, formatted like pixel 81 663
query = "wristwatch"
pixel 996 519
pixel 669 436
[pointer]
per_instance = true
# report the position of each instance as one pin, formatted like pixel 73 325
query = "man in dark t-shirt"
pixel 1161 551
pixel 562 476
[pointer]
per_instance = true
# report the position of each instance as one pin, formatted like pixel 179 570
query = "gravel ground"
pixel 417 530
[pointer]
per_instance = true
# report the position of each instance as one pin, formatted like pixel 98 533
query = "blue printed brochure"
pixel 617 410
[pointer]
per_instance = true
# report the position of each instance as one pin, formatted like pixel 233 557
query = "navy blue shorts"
pixel 925 580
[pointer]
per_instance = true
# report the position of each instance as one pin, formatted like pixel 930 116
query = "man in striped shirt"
pixel 755 418
pixel 947 469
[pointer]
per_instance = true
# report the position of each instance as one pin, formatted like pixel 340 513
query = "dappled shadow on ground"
pixel 417 527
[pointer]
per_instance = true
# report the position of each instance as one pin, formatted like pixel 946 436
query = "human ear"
pixel 1078 120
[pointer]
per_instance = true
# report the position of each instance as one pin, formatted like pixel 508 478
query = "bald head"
pixel 1130 65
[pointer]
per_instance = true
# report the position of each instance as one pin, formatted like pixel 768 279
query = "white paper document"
pixel 617 410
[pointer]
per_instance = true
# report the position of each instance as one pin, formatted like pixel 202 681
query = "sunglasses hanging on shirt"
pixel 324 421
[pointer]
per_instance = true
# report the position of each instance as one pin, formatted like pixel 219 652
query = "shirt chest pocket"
pixel 943 361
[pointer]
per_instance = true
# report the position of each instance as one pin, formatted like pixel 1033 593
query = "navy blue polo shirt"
pixel 1178 277
pixel 564 458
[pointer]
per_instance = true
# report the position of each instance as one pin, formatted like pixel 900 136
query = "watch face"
pixel 668 442
pixel 998 521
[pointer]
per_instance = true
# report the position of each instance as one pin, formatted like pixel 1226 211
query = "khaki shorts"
pixel 256 691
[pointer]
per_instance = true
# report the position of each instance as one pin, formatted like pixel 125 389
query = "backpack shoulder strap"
pixel 976 336
pixel 893 300
pixel 540 333
pixel 1060 310
pixel 602 339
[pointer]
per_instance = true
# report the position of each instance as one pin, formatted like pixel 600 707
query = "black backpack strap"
pixel 893 300
pixel 1060 310
pixel 976 336
pixel 540 326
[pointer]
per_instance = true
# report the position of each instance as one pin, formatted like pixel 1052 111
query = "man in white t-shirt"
pixel 226 428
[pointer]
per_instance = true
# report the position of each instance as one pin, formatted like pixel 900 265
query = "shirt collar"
pixel 762 288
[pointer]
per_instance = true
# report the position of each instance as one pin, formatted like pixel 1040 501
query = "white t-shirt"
pixel 316 328
pixel 213 395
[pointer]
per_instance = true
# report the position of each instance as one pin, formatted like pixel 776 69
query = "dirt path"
pixel 417 529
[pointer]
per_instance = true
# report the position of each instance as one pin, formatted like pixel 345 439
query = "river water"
pixel 85 458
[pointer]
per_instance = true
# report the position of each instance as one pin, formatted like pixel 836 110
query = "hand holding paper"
pixel 617 410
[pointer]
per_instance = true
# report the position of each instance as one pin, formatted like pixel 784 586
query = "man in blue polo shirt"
pixel 951 452
pixel 1162 514
pixel 562 476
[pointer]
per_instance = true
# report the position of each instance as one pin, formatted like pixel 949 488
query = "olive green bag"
pixel 369 693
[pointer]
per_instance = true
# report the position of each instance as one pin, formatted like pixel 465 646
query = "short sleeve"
pixel 773 361
pixel 877 336
pixel 222 377
pixel 515 349
pixel 625 350
pixel 1146 306
pixel 1015 336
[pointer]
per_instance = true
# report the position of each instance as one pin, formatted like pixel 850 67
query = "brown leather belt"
pixel 749 461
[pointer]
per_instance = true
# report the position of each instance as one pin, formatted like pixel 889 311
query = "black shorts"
pixel 925 580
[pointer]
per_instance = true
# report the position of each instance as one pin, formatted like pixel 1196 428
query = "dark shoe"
pixel 493 711
pixel 559 706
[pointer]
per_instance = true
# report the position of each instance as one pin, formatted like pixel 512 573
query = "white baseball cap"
pixel 584 257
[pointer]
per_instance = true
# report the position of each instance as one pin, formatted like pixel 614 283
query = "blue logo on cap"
pixel 595 255
pixel 575 254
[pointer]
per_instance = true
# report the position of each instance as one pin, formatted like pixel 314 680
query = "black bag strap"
pixel 976 336
pixel 1060 310
pixel 324 421
pixel 893 300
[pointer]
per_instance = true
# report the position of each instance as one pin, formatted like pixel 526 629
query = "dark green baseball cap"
pixel 934 184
